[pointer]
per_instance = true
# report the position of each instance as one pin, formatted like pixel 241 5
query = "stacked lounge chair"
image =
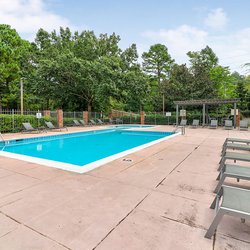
pixel 235 200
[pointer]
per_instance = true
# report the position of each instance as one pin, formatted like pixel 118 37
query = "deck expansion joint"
pixel 121 221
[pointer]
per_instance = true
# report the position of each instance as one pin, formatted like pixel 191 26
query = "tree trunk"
pixel 89 107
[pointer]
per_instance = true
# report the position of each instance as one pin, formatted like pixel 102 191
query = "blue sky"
pixel 182 25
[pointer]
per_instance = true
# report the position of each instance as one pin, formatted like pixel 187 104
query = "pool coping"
pixel 87 167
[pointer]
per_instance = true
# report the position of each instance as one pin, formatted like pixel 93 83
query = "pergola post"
pixel 177 114
pixel 235 115
pixel 204 115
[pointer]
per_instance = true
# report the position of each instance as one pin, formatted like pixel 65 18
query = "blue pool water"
pixel 84 147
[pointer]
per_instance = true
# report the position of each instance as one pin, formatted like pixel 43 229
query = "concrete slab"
pixel 16 183
pixel 41 199
pixel 180 209
pixel 145 231
pixel 223 242
pixel 84 221
pixel 193 186
pixel 4 172
pixel 25 238
pixel 7 225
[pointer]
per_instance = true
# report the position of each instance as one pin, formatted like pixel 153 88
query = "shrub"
pixel 13 123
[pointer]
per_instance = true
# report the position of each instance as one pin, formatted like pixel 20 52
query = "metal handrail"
pixel 2 137
pixel 182 129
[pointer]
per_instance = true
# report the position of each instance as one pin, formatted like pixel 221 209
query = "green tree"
pixel 181 83
pixel 81 69
pixel 157 63
pixel 202 62
pixel 224 82
pixel 13 53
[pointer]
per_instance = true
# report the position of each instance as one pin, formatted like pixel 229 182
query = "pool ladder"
pixel 182 128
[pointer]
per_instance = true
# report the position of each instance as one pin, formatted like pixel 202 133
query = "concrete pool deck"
pixel 159 199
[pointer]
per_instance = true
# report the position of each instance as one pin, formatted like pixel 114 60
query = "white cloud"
pixel 233 50
pixel 27 16
pixel 216 19
pixel 180 40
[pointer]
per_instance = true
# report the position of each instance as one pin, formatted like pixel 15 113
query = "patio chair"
pixel 99 122
pixel 243 125
pixel 82 122
pixel 233 156
pixel 183 122
pixel 233 140
pixel 235 202
pixel 235 146
pixel 228 124
pixel 232 171
pixel 111 121
pixel 76 123
pixel 51 126
pixel 28 128
pixel 213 124
pixel 118 121
pixel 195 123
pixel 92 122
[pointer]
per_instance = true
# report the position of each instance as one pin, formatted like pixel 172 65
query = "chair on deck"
pixel 100 122
pixel 233 156
pixel 243 125
pixel 213 124
pixel 235 146
pixel 228 124
pixel 233 140
pixel 118 121
pixel 183 122
pixel 235 202
pixel 195 123
pixel 82 122
pixel 28 128
pixel 92 122
pixel 76 123
pixel 232 171
pixel 51 126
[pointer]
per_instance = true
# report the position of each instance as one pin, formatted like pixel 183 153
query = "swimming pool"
pixel 83 151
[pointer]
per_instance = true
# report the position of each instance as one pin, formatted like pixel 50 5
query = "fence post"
pixel 59 116
pixel 85 116
pixel 142 117
pixel 13 120
pixel 238 119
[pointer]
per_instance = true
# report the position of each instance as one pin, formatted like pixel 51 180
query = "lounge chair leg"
pixel 238 180
pixel 213 226
pixel 223 176
pixel 222 163
pixel 218 177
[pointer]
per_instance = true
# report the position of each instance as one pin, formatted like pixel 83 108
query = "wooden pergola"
pixel 204 102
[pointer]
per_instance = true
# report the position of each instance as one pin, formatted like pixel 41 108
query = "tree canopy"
pixel 85 71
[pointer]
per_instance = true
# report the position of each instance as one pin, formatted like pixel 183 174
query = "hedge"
pixel 13 123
